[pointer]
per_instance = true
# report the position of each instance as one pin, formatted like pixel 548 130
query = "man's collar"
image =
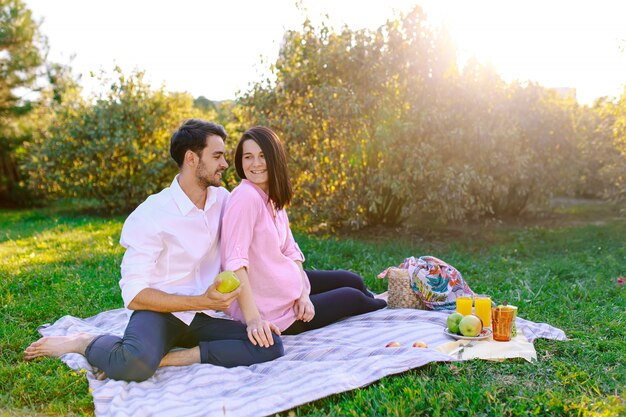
pixel 211 198
pixel 184 203
pixel 180 198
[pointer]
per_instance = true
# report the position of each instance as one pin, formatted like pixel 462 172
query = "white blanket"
pixel 341 357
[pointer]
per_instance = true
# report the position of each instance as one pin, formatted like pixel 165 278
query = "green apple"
pixel 229 283
pixel 470 326
pixel 453 322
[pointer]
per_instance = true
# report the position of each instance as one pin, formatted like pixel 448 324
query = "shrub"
pixel 115 150
pixel 382 127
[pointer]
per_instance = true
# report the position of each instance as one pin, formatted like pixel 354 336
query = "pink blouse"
pixel 253 237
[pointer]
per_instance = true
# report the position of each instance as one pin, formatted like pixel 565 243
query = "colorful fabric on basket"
pixel 434 281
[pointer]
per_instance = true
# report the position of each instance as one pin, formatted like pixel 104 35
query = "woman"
pixel 256 242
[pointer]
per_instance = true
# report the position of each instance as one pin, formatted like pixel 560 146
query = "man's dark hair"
pixel 280 191
pixel 191 136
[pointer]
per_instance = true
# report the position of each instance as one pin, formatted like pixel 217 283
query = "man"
pixel 172 256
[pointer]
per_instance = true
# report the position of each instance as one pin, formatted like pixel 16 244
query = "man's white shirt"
pixel 172 245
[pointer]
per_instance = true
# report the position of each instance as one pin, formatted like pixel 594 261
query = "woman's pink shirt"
pixel 257 238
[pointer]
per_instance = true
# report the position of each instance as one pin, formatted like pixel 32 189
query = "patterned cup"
pixel 502 323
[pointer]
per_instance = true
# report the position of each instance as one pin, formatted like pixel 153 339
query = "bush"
pixel 115 150
pixel 382 127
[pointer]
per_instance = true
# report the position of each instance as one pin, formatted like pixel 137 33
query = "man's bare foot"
pixel 58 346
pixel 181 357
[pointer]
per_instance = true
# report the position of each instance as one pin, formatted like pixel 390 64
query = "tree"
pixel 205 104
pixel 21 60
pixel 381 126
pixel 601 142
pixel 617 169
pixel 340 102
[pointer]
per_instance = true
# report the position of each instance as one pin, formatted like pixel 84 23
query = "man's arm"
pixel 157 300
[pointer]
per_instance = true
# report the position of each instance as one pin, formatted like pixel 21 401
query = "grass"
pixel 561 270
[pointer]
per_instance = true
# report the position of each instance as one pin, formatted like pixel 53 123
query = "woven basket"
pixel 401 295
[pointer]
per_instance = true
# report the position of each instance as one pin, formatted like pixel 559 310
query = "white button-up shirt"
pixel 172 246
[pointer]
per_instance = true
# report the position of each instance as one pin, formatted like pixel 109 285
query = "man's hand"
pixel 212 299
pixel 303 308
pixel 260 332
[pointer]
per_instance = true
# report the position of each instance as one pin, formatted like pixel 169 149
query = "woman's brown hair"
pixel 280 191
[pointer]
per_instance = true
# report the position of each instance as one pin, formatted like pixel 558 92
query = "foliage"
pixel 204 103
pixel 229 114
pixel 21 57
pixel 600 164
pixel 382 127
pixel 115 150
pixel 55 262
pixel 514 139
pixel 614 169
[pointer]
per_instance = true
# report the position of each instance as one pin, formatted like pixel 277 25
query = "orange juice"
pixel 464 305
pixel 482 305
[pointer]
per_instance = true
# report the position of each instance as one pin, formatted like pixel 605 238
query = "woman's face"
pixel 254 166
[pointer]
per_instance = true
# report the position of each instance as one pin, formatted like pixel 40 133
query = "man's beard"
pixel 204 180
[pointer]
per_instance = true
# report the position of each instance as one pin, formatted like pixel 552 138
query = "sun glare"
pixel 575 44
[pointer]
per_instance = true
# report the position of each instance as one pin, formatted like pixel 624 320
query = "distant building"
pixel 565 92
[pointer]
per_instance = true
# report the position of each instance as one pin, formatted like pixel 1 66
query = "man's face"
pixel 212 163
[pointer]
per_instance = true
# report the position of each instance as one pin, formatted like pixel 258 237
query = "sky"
pixel 219 48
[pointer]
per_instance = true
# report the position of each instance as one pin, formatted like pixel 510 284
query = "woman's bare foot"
pixel 100 375
pixel 383 296
pixel 58 346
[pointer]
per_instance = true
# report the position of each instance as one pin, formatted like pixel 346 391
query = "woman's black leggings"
pixel 336 294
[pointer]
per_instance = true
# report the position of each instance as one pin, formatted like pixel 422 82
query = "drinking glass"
pixel 502 323
pixel 464 305
pixel 482 308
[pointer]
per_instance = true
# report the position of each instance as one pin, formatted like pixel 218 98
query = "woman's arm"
pixel 259 330
pixel 238 223
pixel 303 306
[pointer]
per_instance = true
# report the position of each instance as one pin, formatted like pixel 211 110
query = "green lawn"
pixel 561 270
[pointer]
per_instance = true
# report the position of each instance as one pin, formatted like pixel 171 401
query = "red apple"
pixel 420 344
pixel 393 344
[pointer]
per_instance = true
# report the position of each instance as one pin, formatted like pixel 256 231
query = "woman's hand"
pixel 304 308
pixel 260 332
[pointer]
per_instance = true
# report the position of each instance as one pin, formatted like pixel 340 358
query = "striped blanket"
pixel 341 357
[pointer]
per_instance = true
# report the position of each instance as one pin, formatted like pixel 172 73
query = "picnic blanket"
pixel 343 356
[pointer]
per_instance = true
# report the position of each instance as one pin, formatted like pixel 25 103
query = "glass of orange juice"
pixel 464 304
pixel 482 307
